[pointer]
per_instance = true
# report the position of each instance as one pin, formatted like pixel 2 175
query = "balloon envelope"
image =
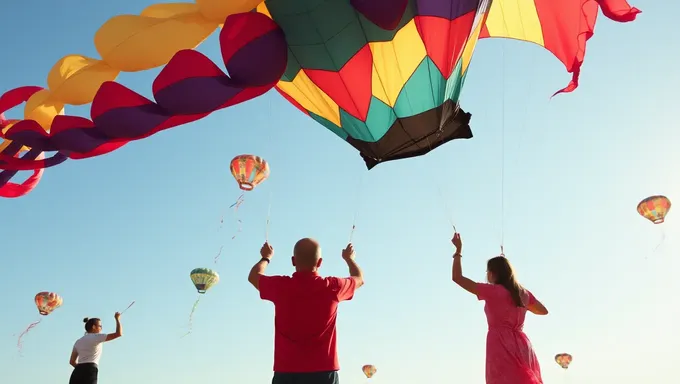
pixel 46 302
pixel 654 208
pixel 563 359
pixel 204 279
pixel 249 171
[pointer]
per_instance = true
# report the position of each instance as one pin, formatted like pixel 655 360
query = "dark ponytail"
pixel 90 323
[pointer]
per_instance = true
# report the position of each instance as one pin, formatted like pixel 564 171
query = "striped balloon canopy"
pixel 46 302
pixel 204 279
pixel 249 171
pixel 563 359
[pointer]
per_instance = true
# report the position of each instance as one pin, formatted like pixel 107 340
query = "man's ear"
pixel 292 260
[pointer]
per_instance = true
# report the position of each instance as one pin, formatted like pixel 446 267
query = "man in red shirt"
pixel 306 309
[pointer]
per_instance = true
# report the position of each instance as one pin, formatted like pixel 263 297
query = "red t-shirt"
pixel 306 309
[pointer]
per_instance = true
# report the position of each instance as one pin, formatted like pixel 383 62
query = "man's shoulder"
pixel 275 279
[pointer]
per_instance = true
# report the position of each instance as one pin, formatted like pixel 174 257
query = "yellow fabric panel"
pixel 472 43
pixel 121 39
pixel 262 8
pixel 313 99
pixel 77 78
pixel 395 61
pixel 515 19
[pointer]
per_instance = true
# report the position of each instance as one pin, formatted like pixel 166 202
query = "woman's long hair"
pixel 502 271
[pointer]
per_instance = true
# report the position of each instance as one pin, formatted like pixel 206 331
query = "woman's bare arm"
pixel 119 329
pixel 537 308
pixel 74 357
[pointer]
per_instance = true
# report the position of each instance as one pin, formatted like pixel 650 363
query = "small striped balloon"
pixel 249 171
pixel 369 370
pixel 654 208
pixel 563 359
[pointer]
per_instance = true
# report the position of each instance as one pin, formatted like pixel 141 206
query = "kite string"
pixel 269 214
pixel 128 307
pixel 357 206
pixel 503 64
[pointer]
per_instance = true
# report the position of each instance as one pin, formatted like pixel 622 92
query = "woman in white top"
pixel 88 350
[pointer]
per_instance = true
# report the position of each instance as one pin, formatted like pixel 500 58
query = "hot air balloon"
pixel 204 279
pixel 249 171
pixel 654 208
pixel 563 359
pixel 369 370
pixel 46 303
pixel 390 93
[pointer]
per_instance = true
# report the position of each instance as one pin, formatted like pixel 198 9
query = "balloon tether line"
pixel 269 214
pixel 128 307
pixel 503 152
pixel 356 207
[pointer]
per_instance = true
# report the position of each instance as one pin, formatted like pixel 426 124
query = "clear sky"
pixel 128 226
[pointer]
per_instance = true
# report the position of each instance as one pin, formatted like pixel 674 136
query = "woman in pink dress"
pixel 510 359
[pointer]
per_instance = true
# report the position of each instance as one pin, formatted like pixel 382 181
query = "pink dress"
pixel 510 359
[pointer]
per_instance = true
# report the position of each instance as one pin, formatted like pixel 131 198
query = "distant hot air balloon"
pixel 47 302
pixel 204 279
pixel 654 208
pixel 369 370
pixel 249 171
pixel 563 359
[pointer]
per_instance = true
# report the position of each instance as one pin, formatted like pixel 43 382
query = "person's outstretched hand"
pixel 457 242
pixel 267 251
pixel 348 253
pixel 116 315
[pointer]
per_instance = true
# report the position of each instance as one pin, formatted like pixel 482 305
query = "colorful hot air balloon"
pixel 249 171
pixel 369 370
pixel 563 359
pixel 47 302
pixel 654 208
pixel 204 279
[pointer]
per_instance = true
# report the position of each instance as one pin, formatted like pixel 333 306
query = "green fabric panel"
pixel 454 85
pixel 321 34
pixel 417 94
pixel 379 120
pixel 331 127
pixel 292 68
pixel 374 33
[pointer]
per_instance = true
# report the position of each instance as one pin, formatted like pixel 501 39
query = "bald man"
pixel 306 308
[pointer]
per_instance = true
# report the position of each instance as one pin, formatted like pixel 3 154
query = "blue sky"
pixel 128 226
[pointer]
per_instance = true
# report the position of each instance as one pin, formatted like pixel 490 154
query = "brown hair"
pixel 502 271
pixel 90 323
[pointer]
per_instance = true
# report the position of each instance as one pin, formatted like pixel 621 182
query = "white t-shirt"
pixel 89 347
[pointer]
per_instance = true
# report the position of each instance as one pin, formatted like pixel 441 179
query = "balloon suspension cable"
pixel 191 317
pixel 128 307
pixel 503 149
pixel 357 206
pixel 20 344
pixel 269 215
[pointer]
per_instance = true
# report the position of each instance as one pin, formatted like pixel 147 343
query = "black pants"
pixel 329 377
pixel 85 373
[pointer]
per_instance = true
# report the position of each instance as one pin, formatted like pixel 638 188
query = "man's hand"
pixel 267 251
pixel 457 242
pixel 348 253
pixel 116 315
